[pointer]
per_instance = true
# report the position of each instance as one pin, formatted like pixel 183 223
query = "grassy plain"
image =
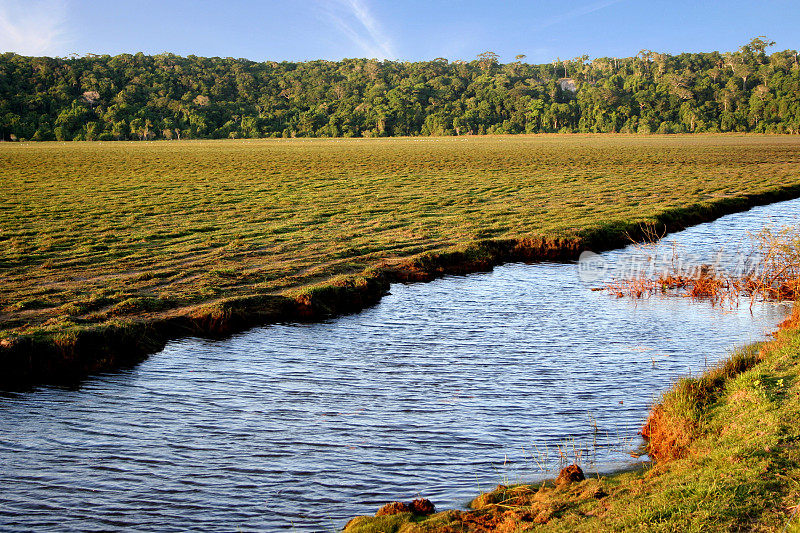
pixel 92 233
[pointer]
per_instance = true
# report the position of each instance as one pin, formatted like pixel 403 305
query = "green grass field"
pixel 95 232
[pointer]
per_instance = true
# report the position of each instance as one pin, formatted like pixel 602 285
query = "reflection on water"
pixel 442 390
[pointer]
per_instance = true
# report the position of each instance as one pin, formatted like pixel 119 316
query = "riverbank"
pixel 728 458
pixel 68 355
pixel 253 233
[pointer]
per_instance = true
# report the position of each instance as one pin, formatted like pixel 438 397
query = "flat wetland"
pixel 92 233
pixel 115 233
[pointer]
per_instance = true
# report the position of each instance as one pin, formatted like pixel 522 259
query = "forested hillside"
pixel 167 96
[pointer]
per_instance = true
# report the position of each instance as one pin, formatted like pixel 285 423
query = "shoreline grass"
pixel 171 238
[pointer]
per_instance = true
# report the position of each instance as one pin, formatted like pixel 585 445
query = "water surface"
pixel 442 390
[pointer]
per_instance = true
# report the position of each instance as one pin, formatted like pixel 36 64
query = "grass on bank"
pixel 93 234
pixel 730 462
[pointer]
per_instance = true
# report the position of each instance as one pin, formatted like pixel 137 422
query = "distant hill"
pixel 171 97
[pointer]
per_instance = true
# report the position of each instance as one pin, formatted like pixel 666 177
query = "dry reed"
pixel 771 274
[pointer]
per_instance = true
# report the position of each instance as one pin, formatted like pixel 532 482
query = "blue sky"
pixel 297 30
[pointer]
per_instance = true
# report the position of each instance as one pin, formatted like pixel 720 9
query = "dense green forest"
pixel 167 96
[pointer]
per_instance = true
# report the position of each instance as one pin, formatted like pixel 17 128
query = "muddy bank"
pixel 72 355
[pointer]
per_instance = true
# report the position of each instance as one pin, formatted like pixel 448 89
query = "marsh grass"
pixel 162 227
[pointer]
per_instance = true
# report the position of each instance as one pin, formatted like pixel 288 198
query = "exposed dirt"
pixel 393 508
pixel 570 474
pixel 422 507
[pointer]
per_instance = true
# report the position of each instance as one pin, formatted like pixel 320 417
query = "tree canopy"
pixel 132 97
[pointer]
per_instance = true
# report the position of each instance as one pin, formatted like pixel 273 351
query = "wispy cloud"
pixel 33 27
pixel 354 19
pixel 575 13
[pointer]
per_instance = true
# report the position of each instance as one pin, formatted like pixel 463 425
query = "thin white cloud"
pixel 33 27
pixel 376 33
pixel 575 13
pixel 354 19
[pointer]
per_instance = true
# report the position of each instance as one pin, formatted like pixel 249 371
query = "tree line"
pixel 145 97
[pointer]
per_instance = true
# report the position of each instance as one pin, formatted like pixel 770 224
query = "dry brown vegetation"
pixel 772 273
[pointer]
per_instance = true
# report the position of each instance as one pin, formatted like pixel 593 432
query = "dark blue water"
pixel 442 390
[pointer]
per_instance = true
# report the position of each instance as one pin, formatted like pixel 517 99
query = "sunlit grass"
pixel 91 232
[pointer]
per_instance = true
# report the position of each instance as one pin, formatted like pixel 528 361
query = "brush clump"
pixel 772 273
